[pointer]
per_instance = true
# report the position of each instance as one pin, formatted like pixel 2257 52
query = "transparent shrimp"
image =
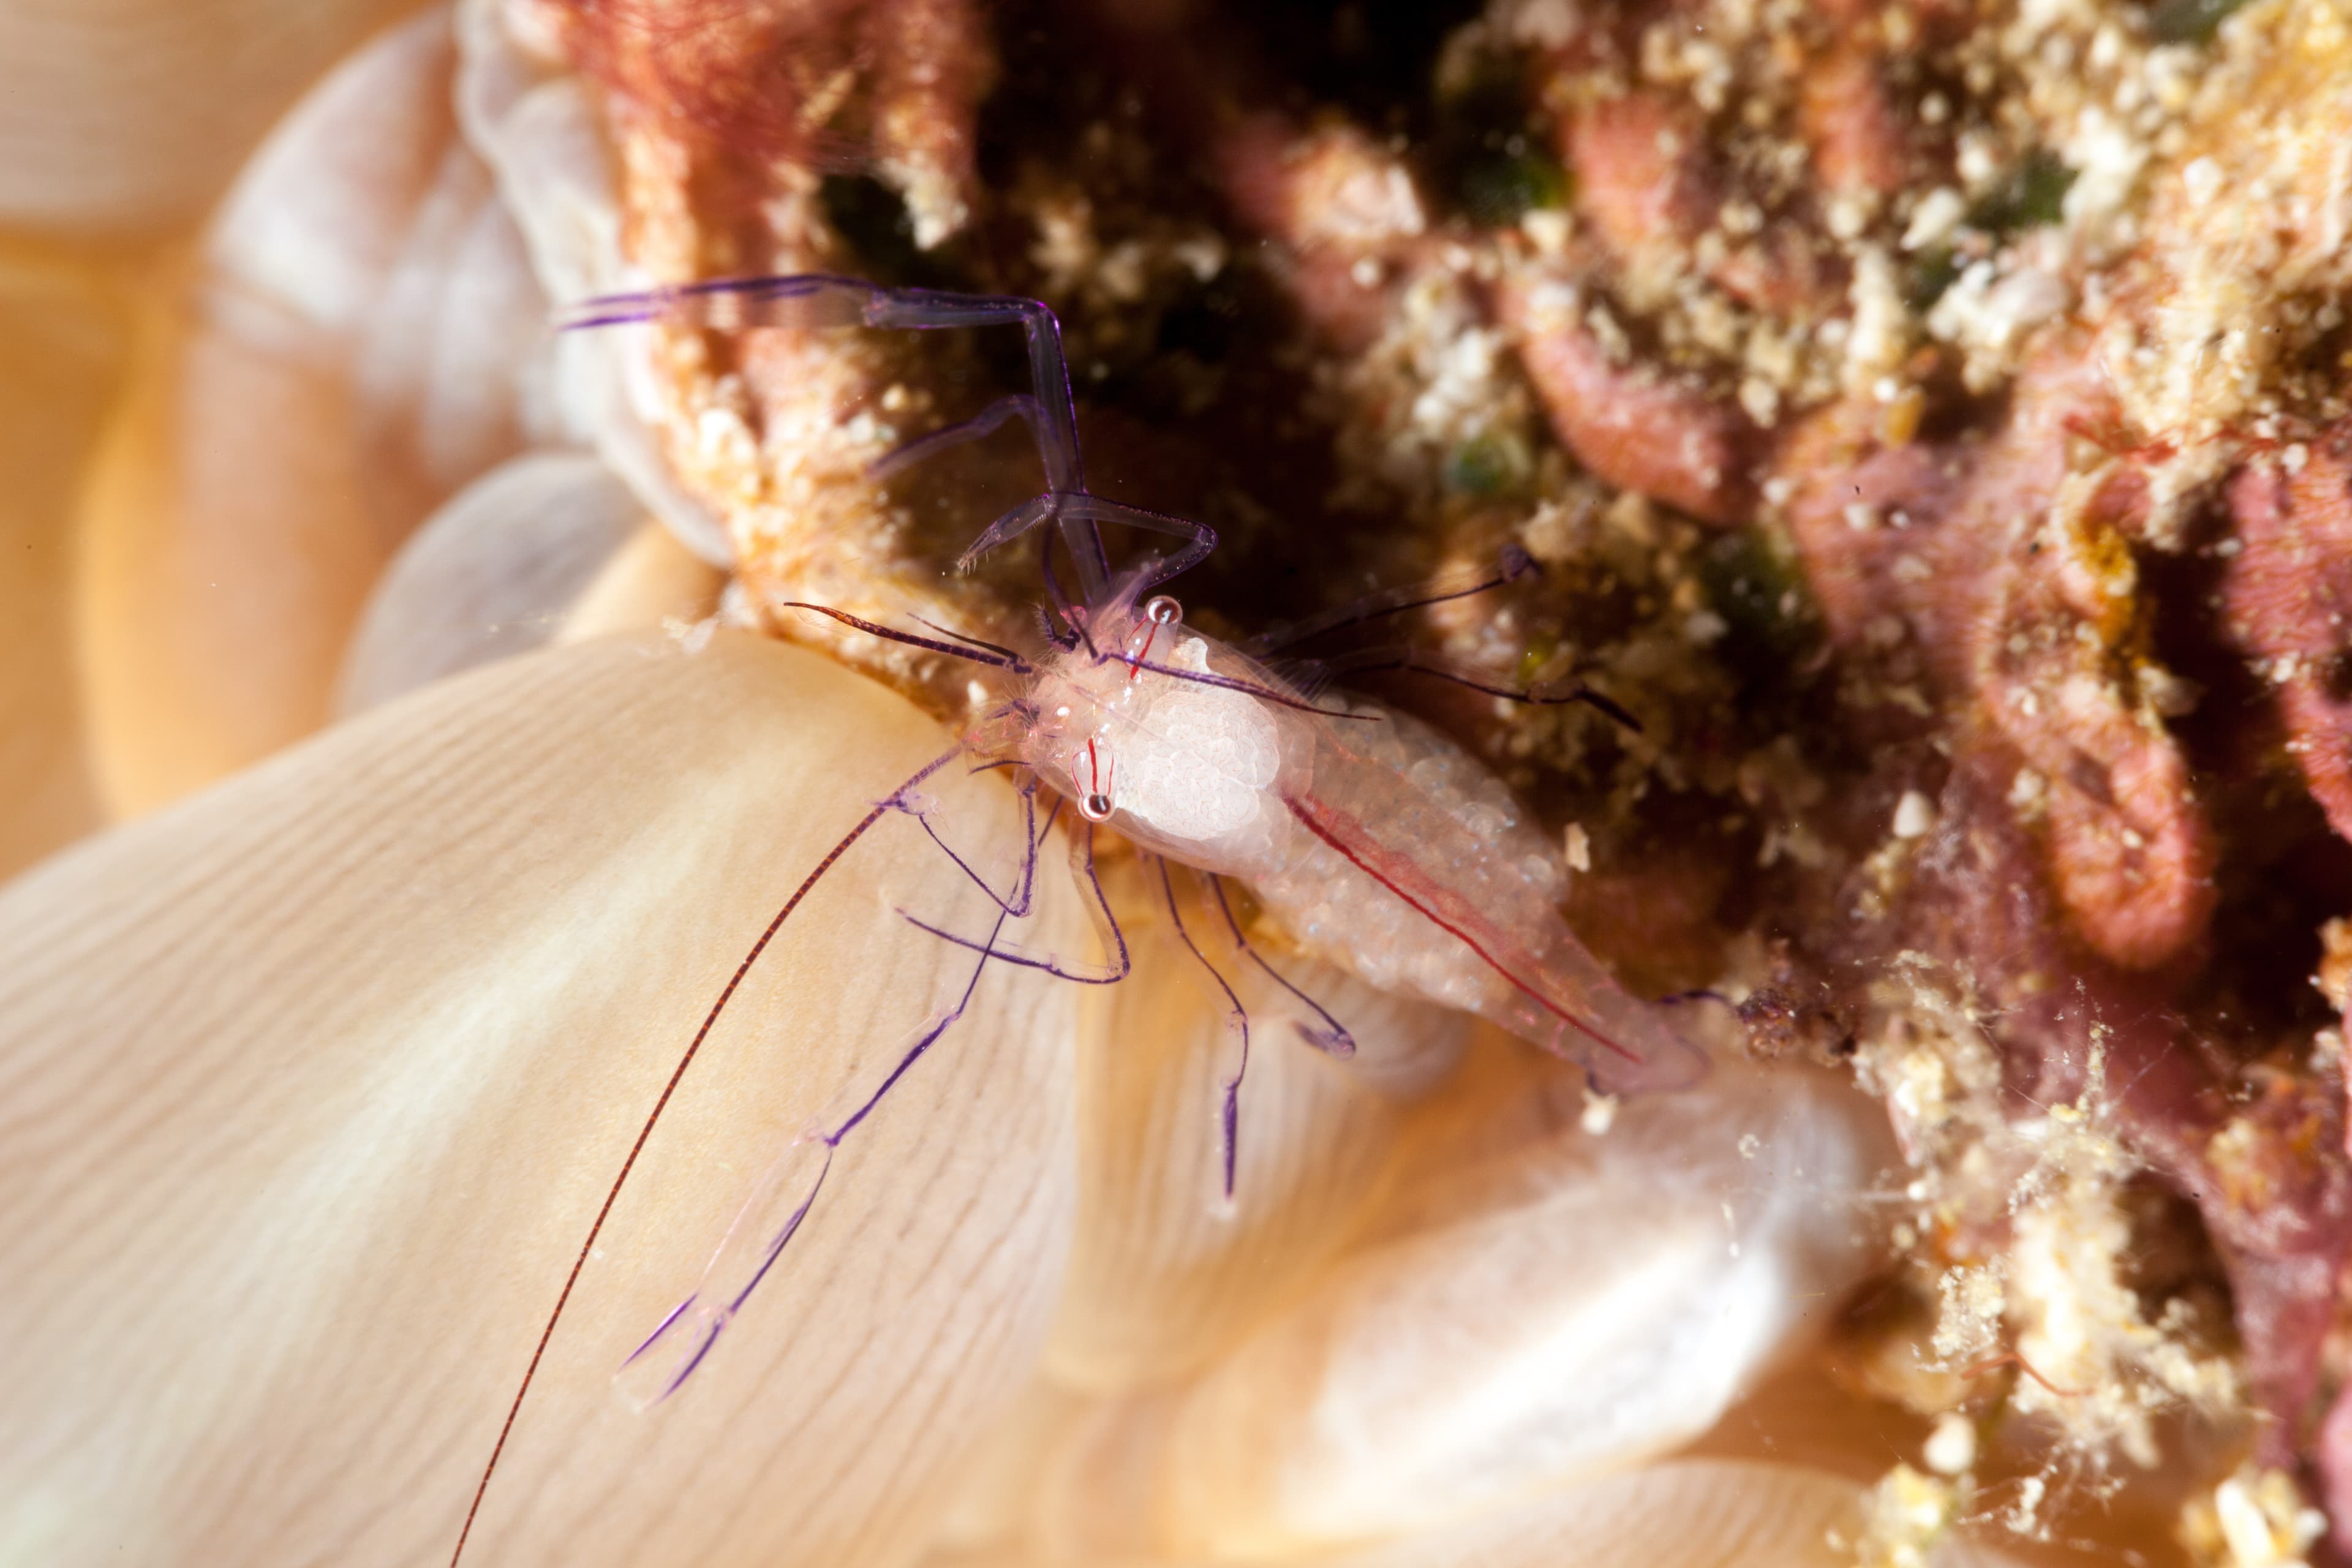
pixel 1378 844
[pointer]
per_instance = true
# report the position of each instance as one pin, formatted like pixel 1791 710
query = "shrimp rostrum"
pixel 1373 841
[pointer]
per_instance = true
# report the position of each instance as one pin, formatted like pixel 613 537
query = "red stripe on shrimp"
pixel 1327 825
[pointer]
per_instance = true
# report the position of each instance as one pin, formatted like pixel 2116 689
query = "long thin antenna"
pixel 1513 564
pixel 709 1020
pixel 1010 661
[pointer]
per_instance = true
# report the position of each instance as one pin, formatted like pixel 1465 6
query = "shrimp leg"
pixel 661 1103
pixel 1331 1038
pixel 1017 903
pixel 1019 403
pixel 765 1227
pixel 1114 940
pixel 789 1189
pixel 1229 1107
pixel 825 299
pixel 1070 507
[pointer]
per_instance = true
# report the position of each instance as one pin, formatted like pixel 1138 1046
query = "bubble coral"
pixel 1928 419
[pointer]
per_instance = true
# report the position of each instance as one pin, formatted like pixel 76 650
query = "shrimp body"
pixel 1379 844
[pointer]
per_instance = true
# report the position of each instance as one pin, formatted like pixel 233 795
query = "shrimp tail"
pixel 1555 993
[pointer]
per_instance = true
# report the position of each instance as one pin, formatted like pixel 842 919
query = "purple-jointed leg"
pixel 1114 939
pixel 1332 1038
pixel 804 1167
pixel 1070 507
pixel 1017 904
pixel 819 299
pixel 708 1320
pixel 1229 1110
pixel 645 1132
pixel 971 430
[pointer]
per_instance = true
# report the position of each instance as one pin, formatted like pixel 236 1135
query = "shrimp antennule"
pixel 1018 665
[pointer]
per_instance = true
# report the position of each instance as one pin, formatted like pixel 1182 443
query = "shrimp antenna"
pixel 677 1074
pixel 1230 683
pixel 1513 564
pixel 1001 658
pixel 1016 661
pixel 1410 661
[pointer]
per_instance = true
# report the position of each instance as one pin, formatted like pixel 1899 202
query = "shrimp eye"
pixel 1093 771
pixel 1162 610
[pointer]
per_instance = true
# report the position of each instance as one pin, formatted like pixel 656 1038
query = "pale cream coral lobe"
pixel 130 115
pixel 297 1224
pixel 63 337
pixel 1512 1324
pixel 1701 1513
pixel 351 342
pixel 1166 1275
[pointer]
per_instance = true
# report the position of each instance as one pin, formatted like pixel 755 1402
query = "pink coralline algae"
pixel 1945 562
pixel 808 83
pixel 1649 430
pixel 2287 597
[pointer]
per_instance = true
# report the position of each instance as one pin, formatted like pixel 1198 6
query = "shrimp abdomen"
pixel 1417 874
